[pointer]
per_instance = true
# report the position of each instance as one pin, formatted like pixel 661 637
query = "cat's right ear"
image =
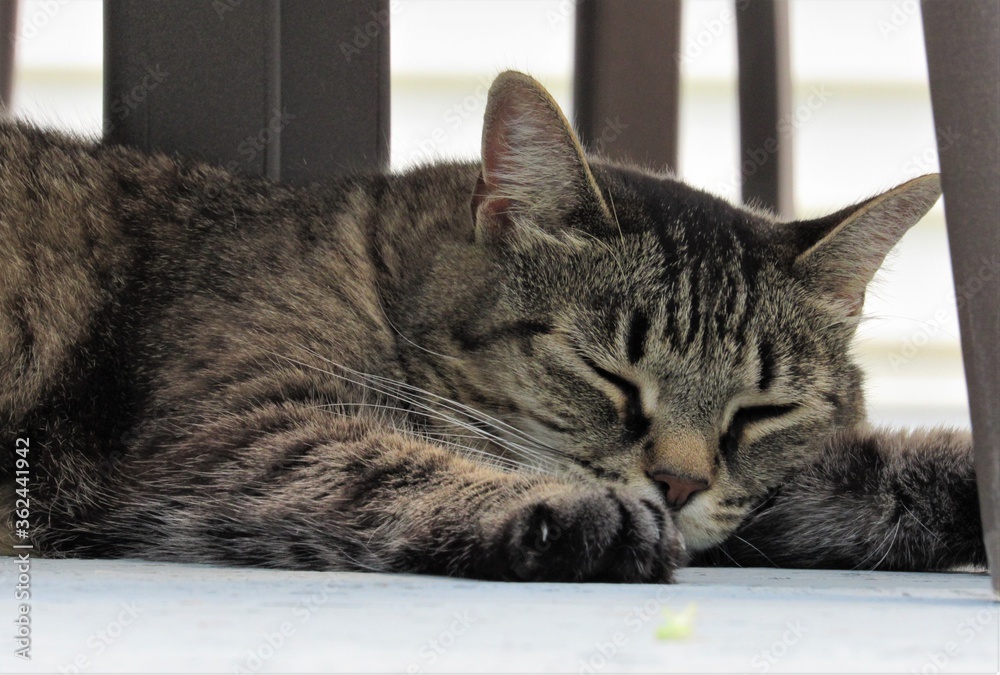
pixel 839 255
pixel 534 172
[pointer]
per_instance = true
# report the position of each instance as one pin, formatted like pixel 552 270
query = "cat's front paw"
pixel 597 534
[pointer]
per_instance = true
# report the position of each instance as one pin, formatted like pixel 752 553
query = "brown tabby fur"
pixel 470 370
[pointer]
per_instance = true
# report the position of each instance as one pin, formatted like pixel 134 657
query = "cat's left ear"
pixel 840 254
pixel 534 173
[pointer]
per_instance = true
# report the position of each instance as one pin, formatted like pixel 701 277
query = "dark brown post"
pixel 290 90
pixel 963 60
pixel 625 85
pixel 765 94
pixel 8 42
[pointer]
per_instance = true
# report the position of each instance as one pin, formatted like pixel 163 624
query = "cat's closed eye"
pixel 747 416
pixel 636 422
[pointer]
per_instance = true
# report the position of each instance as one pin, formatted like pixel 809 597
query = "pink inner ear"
pixel 491 213
pixel 495 141
pixel 489 210
pixel 493 217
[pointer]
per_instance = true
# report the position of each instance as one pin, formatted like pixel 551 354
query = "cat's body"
pixel 529 369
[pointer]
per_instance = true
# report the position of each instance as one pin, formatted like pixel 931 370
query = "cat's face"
pixel 636 330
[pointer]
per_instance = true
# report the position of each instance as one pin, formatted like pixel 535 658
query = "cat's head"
pixel 635 329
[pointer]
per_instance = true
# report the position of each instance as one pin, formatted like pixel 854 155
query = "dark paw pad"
pixel 591 535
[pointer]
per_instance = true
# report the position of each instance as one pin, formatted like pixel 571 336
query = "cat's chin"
pixel 700 528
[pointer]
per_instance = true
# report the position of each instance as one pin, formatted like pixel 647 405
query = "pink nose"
pixel 679 490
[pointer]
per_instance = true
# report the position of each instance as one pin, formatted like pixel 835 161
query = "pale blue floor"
pixel 134 617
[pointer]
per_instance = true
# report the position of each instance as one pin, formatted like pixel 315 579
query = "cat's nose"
pixel 679 489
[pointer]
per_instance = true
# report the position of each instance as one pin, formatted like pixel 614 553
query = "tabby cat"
pixel 542 366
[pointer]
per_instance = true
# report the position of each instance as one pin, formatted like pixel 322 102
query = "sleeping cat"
pixel 542 366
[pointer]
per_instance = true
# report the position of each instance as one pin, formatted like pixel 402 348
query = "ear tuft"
pixel 844 258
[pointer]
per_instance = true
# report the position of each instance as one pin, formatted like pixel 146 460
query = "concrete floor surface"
pixel 92 616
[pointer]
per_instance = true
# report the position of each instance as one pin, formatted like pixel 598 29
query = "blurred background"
pixel 861 117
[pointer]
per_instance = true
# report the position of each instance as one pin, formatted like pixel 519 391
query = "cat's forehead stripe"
pixel 638 329
pixel 765 351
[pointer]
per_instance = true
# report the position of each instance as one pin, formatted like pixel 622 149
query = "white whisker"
pixel 455 406
pixel 917 521
pixel 435 413
pixel 736 536
pixel 400 333
pixel 440 439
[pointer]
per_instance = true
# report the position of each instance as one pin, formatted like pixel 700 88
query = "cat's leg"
pixel 288 486
pixel 875 499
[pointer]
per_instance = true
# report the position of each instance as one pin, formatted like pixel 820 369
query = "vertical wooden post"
pixel 625 87
pixel 963 61
pixel 765 95
pixel 8 44
pixel 289 90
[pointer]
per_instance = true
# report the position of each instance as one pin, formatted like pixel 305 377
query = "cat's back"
pixel 166 276
pixel 61 252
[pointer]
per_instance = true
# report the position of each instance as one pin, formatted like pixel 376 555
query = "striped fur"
pixel 470 370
